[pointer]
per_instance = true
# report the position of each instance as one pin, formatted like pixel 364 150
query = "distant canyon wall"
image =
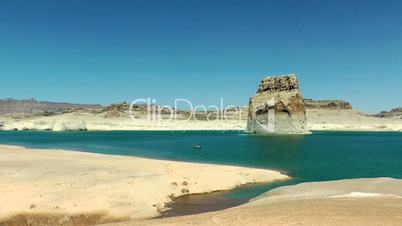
pixel 395 113
pixel 34 107
pixel 327 104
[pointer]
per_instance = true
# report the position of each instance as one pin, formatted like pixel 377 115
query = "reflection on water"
pixel 276 151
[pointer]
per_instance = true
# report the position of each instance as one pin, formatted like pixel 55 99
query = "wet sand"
pixel 358 202
pixel 200 203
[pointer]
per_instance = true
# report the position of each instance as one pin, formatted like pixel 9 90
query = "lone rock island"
pixel 277 107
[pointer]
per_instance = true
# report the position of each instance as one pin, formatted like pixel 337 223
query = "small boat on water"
pixel 197 147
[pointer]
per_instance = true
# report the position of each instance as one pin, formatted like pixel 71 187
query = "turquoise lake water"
pixel 316 157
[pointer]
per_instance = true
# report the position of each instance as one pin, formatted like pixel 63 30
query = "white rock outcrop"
pixel 69 125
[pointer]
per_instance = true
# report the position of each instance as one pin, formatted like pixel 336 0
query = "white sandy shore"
pixel 344 202
pixel 317 120
pixel 349 120
pixel 97 122
pixel 68 183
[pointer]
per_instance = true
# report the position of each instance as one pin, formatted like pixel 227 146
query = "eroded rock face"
pixel 33 107
pixel 394 113
pixel 278 107
pixel 327 104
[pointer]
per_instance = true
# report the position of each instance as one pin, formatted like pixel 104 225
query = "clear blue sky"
pixel 110 51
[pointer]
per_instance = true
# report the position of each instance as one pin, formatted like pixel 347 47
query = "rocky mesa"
pixel 327 104
pixel 30 107
pixel 277 107
pixel 395 113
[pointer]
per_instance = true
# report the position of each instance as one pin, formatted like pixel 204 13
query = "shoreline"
pixel 341 201
pixel 317 119
pixel 216 130
pixel 201 203
pixel 67 184
pixel 312 129
pixel 364 201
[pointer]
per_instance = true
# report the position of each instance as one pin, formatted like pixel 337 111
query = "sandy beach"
pixel 345 202
pixel 56 187
pixel 73 188
pixel 200 113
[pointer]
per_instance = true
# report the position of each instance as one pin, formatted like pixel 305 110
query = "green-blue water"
pixel 316 157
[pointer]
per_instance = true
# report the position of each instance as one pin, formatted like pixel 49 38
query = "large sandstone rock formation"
pixel 278 107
